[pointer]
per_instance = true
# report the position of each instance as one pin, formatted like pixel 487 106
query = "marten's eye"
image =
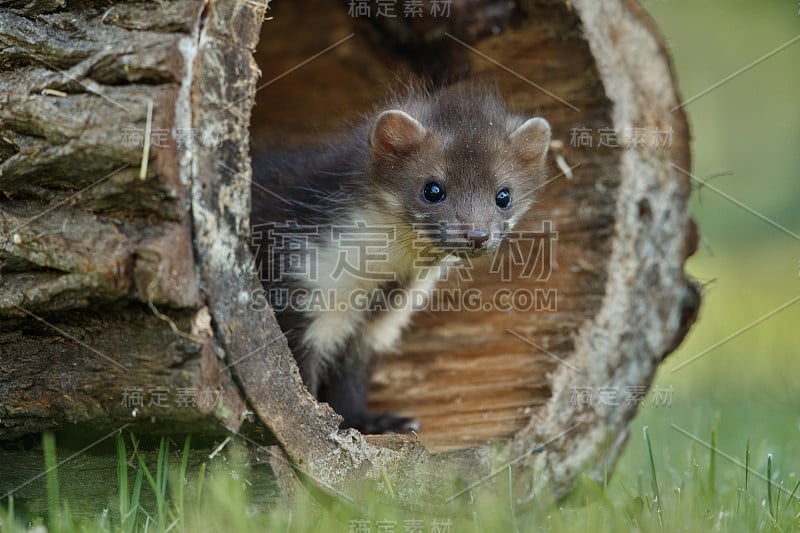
pixel 503 198
pixel 433 192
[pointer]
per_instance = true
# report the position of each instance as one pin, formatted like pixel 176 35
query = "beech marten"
pixel 385 207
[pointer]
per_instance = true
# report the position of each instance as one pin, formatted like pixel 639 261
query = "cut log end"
pixel 552 353
pixel 599 293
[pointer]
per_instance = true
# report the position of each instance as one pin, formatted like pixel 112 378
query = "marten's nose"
pixel 477 238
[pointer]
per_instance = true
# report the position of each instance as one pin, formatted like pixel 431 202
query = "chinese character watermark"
pixel 184 138
pixel 641 138
pixel 165 397
pixel 615 396
pixel 390 8
pixel 410 525
pixel 533 252
pixel 288 251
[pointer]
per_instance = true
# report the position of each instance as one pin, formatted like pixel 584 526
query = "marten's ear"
pixel 532 139
pixel 396 133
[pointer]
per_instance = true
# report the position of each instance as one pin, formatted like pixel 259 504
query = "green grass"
pixel 734 420
pixel 703 495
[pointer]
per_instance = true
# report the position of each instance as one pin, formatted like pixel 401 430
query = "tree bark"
pixel 126 296
pixel 104 322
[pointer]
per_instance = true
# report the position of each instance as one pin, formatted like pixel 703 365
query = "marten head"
pixel 458 167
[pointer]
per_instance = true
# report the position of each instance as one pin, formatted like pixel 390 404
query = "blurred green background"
pixel 749 129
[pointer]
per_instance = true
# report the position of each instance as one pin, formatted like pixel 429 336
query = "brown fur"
pixel 462 137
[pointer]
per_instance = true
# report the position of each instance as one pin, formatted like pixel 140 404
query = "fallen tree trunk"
pixel 127 282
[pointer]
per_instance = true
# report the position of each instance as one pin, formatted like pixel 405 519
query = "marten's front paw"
pixel 375 423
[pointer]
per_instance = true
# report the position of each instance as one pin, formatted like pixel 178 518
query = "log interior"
pixel 468 375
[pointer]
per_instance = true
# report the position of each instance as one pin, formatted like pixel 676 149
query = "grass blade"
pixel 201 478
pixel 652 467
pixel 181 481
pixel 712 465
pixel 747 466
pixel 791 497
pixel 161 478
pixel 122 480
pixel 50 465
pixel 154 485
pixel 10 518
pixel 137 491
pixel 769 484
pixel 512 513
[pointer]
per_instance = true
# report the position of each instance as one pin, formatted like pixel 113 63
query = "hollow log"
pixel 127 280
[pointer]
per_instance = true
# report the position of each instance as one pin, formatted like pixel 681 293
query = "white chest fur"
pixel 406 283
pixel 382 332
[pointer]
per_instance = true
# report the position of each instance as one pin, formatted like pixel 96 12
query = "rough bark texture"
pixel 104 322
pixel 111 283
